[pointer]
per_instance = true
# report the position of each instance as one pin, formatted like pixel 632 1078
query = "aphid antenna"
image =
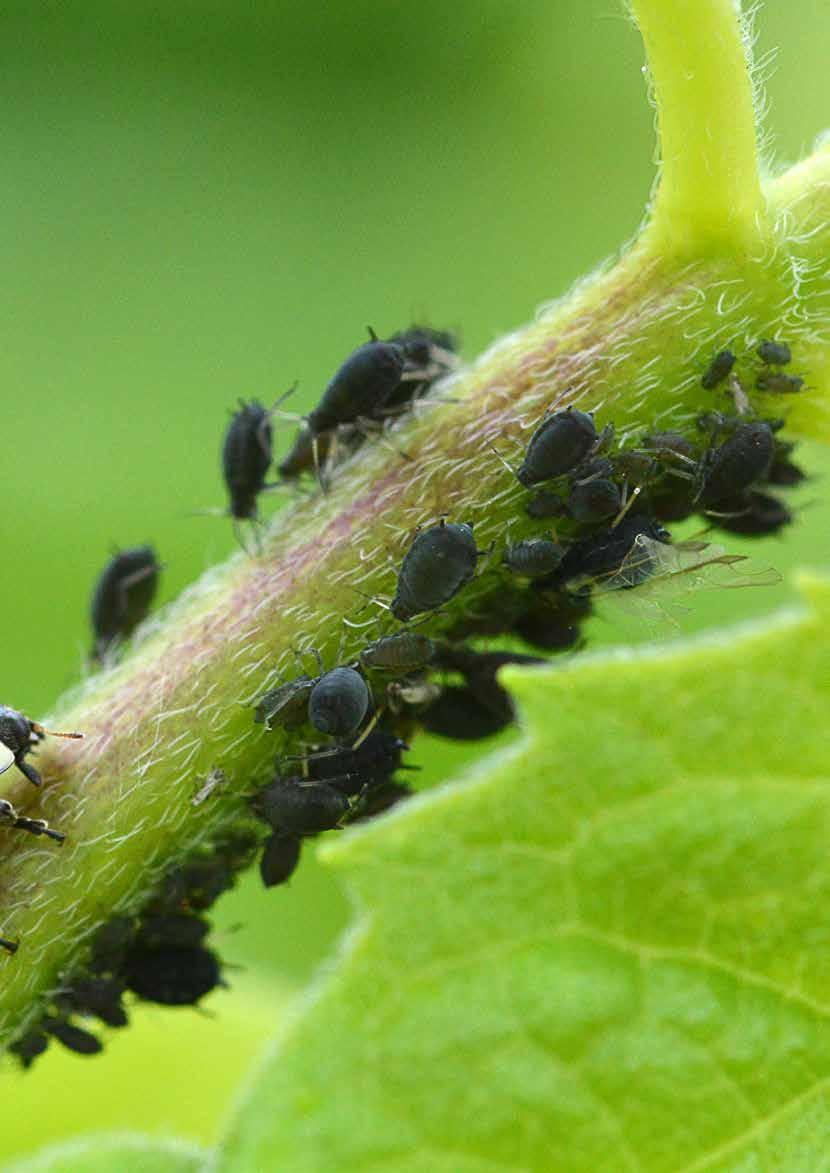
pixel 502 460
pixel 627 505
pixel 54 733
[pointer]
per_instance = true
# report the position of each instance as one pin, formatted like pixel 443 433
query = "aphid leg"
pixel 28 771
pixel 319 472
pixel 37 827
pixel 237 533
pixel 604 439
pixel 626 504
pixel 368 432
pixel 376 716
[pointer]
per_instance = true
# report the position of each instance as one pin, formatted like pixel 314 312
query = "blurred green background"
pixel 208 199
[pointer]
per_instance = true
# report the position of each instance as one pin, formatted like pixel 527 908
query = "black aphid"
pixel 172 975
pixel 429 355
pixel 246 458
pixel 360 387
pixel 545 504
pixel 783 471
pixel 168 963
pixel 279 859
pixel 20 736
pixel 424 347
pixel 29 1046
pixel 287 704
pixel 173 928
pixel 123 596
pixel 594 500
pixel 381 798
pixel 736 464
pixel 533 557
pixel 109 945
pixel 779 383
pixel 9 946
pixel 718 369
pixel 552 622
pixel 296 807
pixel 201 881
pixel 351 771
pixel 338 702
pixel 10 816
pixel 605 552
pixel 751 513
pixel 560 443
pixel 776 354
pixel 461 714
pixel 440 561
pixel 74 1038
pixel 98 996
pixel 669 445
pixel 403 652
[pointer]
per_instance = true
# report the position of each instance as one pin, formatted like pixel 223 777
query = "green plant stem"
pixel 709 194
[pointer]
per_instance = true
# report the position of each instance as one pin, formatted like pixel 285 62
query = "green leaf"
pixel 607 949
pixel 117 1153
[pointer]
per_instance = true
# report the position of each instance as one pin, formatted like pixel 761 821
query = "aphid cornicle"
pixel 279 859
pixel 402 652
pixel 9 946
pixel 296 807
pixel 560 443
pixel 246 458
pixel 736 464
pixel 440 561
pixel 718 369
pixel 122 597
pixel 20 736
pixel 776 354
pixel 533 557
pixel 338 702
pixel 360 386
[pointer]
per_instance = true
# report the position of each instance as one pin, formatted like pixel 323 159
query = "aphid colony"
pixel 160 956
pixel 603 509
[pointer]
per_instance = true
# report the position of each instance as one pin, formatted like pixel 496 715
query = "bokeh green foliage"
pixel 207 200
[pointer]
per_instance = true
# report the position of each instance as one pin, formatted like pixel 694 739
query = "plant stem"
pixel 709 195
